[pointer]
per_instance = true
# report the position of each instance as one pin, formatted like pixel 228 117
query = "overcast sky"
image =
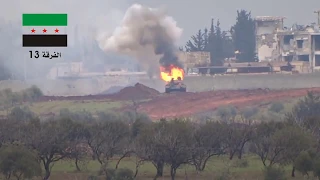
pixel 189 14
pixel 194 14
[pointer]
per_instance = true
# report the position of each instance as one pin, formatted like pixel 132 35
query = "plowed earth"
pixel 186 104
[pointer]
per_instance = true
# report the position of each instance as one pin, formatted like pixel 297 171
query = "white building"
pixel 65 69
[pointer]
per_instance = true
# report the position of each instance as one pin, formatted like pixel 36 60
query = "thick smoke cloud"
pixel 142 33
pixel 146 33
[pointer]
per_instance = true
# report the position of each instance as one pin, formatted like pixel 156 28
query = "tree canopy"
pixel 243 35
pixel 223 44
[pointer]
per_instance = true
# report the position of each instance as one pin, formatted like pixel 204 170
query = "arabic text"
pixel 44 54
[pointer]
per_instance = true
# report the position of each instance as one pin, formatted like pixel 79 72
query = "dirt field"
pixel 160 105
pixel 205 93
pixel 186 104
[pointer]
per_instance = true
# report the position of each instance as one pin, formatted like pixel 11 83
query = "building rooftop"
pixel 288 32
pixel 269 18
pixel 251 64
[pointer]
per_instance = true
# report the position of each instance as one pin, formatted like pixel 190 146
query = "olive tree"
pixel 208 141
pixel 18 162
pixel 51 140
pixel 107 139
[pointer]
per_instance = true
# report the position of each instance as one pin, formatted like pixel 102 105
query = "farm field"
pixel 159 105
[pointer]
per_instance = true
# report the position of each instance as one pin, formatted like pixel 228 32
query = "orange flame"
pixel 167 73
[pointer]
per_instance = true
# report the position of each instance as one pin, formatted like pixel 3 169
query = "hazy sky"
pixel 194 14
pixel 189 14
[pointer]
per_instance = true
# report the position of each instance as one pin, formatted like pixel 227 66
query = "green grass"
pixel 215 166
pixel 90 106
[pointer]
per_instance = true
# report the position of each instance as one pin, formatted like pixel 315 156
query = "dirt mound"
pixel 138 91
pixel 112 90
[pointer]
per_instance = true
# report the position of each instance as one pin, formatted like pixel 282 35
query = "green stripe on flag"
pixel 44 19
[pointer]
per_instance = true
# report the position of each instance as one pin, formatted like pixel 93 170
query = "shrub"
pixel 241 163
pixel 19 162
pixel 303 163
pixel 32 93
pixel 276 107
pixel 248 112
pixel 110 174
pixel 316 168
pixel 23 114
pixel 120 174
pixel 93 177
pixel 274 173
pixel 227 113
pixel 225 174
pixel 123 174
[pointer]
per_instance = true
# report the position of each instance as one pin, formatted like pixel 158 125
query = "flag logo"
pixel 44 30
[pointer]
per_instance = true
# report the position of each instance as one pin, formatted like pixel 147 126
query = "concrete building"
pixel 65 69
pixel 266 37
pixel 301 44
pixel 252 67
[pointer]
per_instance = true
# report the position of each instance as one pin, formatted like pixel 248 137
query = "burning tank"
pixel 173 75
pixel 176 85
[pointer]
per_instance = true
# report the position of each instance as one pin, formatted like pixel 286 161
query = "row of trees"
pixel 9 99
pixel 77 137
pixel 224 44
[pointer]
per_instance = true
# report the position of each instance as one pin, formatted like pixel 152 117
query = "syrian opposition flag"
pixel 44 30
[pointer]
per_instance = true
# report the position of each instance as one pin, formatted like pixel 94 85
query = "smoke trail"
pixel 147 34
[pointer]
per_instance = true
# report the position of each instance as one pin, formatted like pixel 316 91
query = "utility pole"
pixel 318 12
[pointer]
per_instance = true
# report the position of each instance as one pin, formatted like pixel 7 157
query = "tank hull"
pixel 176 86
pixel 169 90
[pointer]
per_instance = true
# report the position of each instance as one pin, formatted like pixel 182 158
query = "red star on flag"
pixel 44 30
pixel 57 30
pixel 33 30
